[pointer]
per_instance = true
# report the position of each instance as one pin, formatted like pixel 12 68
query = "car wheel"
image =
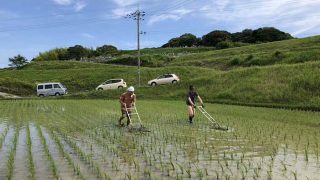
pixel 174 82
pixel 153 84
pixel 41 95
pixel 100 89
pixel 120 87
pixel 57 94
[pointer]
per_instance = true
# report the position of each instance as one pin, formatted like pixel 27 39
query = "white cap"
pixel 131 89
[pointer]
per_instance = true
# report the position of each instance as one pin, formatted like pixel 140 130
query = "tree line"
pixel 217 38
pixel 224 39
pixel 76 52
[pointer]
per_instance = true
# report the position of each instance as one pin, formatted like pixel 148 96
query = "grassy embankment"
pixel 226 76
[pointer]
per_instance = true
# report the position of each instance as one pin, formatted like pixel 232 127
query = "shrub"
pixel 223 45
pixel 235 61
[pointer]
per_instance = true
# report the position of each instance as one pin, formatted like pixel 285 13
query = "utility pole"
pixel 138 15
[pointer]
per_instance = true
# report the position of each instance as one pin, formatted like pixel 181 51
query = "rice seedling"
pixel 47 152
pixel 76 168
pixel 188 171
pixel 3 136
pixel 10 162
pixel 30 158
pixel 260 146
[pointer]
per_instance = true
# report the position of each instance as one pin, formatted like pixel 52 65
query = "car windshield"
pixel 61 85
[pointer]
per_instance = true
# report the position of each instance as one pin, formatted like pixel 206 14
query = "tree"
pixel 269 34
pixel 106 50
pixel 62 53
pixel 214 37
pixel 245 36
pixel 18 61
pixel 266 34
pixel 174 42
pixel 77 52
pixel 185 40
pixel 53 55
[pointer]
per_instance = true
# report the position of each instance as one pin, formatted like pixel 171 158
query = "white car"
pixel 112 84
pixel 164 79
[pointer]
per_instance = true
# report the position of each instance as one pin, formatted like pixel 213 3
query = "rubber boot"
pixel 128 122
pixel 190 119
pixel 120 122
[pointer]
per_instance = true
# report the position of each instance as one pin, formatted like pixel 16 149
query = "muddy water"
pixel 127 159
pixel 103 158
pixel 2 126
pixel 4 153
pixel 288 163
pixel 64 170
pixel 21 166
pixel 41 163
pixel 85 169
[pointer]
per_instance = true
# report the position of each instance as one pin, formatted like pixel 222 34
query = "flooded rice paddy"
pixel 80 139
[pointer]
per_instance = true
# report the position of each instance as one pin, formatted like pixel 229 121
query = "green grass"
pixel 262 142
pixel 277 74
pixel 281 52
pixel 278 85
pixel 169 51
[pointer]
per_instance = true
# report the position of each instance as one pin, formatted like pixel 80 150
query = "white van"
pixel 51 89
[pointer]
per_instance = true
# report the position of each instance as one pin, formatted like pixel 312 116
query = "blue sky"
pixel 28 27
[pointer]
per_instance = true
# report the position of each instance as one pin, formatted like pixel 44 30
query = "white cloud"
pixel 163 17
pixel 305 25
pixel 124 7
pixel 293 15
pixel 121 12
pixel 173 15
pixel 63 2
pixel 87 35
pixel 220 4
pixel 77 5
pixel 123 3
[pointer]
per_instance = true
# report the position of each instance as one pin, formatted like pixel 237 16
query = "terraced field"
pixel 80 139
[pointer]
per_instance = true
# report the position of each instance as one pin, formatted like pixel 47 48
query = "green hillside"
pixel 287 82
pixel 281 52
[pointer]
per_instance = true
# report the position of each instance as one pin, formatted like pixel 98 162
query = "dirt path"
pixel 9 96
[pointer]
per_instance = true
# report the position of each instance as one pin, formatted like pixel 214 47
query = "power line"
pixel 54 15
pixel 247 6
pixel 177 3
pixel 52 25
pixel 96 20
pixel 167 9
